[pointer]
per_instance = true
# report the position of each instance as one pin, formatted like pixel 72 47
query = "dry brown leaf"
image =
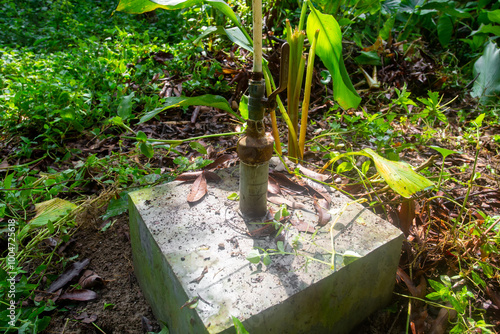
pixel 322 207
pixel 302 226
pixel 445 316
pixel 79 295
pixel 284 181
pixel 192 176
pixel 219 161
pixel 85 318
pixel 90 279
pixel 313 174
pixel 68 275
pixel 273 186
pixel 198 190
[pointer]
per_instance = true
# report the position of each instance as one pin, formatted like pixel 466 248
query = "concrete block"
pixel 183 251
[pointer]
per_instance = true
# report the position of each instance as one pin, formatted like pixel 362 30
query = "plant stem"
pixel 307 94
pixel 257 35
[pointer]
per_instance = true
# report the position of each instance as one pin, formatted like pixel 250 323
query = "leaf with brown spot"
pixel 322 207
pixel 90 279
pixel 198 190
pixel 79 295
pixel 68 275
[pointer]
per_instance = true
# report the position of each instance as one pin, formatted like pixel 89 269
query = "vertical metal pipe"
pixel 257 35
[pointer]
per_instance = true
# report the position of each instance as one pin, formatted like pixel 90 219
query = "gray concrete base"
pixel 183 251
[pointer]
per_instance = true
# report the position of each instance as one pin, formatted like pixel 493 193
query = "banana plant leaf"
pixel 399 175
pixel 487 69
pixel 329 49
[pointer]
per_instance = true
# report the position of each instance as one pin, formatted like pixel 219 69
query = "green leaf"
pixel 198 147
pixel 386 30
pixel 329 49
pixel 233 197
pixel 254 256
pixel 487 68
pixel 7 182
pixel 368 58
pixel 281 246
pixel 266 259
pixel 488 29
pixel 365 167
pixel 433 296
pixel 444 29
pixel 51 210
pixel 244 107
pixel 143 6
pixel 147 149
pixel 445 152
pixel 437 286
pixel 208 100
pixel 125 106
pixel 237 36
pixel 494 16
pixel 240 329
pixel 141 136
pixel 398 175
pixel 349 257
pixel 116 206
pixel 478 121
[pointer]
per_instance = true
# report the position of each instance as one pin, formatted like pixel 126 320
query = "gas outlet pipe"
pixel 255 148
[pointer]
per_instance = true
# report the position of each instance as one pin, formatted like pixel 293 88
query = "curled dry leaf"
pixel 322 207
pixel 68 275
pixel 79 295
pixel 319 189
pixel 445 316
pixel 90 279
pixel 278 200
pixel 198 190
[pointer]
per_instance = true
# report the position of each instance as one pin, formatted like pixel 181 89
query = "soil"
pixel 110 257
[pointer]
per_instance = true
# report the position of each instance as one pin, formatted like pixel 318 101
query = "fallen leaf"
pixel 79 295
pixel 273 186
pixel 192 176
pixel 445 316
pixel 278 200
pixel 198 190
pixel 322 207
pixel 219 161
pixel 319 189
pixel 85 318
pixel 302 226
pixel 68 275
pixel 313 174
pixel 90 279
pixel 284 181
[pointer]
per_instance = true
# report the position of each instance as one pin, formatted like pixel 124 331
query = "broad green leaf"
pixel 329 49
pixel 494 16
pixel 487 70
pixel 444 151
pixel 141 136
pixel 398 175
pixel 147 149
pixel 48 211
pixel 385 32
pixel 125 106
pixel 488 29
pixel 237 36
pixel 240 329
pixel 208 100
pixel 444 29
pixel 266 259
pixel 142 6
pixel 116 206
pixel 368 58
pixel 437 286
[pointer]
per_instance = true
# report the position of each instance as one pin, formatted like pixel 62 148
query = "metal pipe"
pixel 257 36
